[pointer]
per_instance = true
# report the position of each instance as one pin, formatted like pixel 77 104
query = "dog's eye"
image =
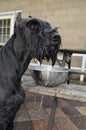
pixel 33 25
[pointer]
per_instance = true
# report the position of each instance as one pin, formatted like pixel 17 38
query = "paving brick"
pixel 62 103
pixel 37 114
pixel 23 126
pixel 79 121
pixel 22 117
pixel 64 123
pixel 59 113
pixel 76 103
pixel 42 125
pixel 70 111
pixel 82 110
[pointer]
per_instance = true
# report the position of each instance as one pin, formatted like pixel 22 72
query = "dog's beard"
pixel 43 49
pixel 49 50
pixel 48 53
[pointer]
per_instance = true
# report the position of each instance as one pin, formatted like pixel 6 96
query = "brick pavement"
pixel 34 114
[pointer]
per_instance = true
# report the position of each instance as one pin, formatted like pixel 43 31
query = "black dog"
pixel 32 38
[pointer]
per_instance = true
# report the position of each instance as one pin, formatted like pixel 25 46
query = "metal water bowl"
pixel 49 76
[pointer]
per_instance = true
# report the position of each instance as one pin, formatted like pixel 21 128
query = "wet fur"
pixel 26 43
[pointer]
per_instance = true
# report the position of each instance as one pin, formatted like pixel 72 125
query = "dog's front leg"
pixel 21 91
pixel 8 109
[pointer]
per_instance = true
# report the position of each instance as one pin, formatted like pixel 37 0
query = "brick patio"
pixel 34 114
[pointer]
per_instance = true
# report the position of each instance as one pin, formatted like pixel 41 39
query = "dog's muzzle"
pixel 52 44
pixel 49 45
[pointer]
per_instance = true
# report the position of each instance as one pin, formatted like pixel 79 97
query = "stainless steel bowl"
pixel 46 75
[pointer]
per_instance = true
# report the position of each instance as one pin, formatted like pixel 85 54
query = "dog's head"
pixel 42 40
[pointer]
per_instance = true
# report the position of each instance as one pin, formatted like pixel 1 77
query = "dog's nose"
pixel 55 36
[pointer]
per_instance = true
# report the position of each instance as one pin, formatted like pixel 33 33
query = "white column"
pixel 83 67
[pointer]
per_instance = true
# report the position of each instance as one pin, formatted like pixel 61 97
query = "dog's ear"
pixel 18 19
pixel 33 24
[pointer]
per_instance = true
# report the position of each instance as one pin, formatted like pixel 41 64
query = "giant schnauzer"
pixel 32 38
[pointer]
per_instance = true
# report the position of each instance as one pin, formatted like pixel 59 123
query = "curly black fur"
pixel 32 38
